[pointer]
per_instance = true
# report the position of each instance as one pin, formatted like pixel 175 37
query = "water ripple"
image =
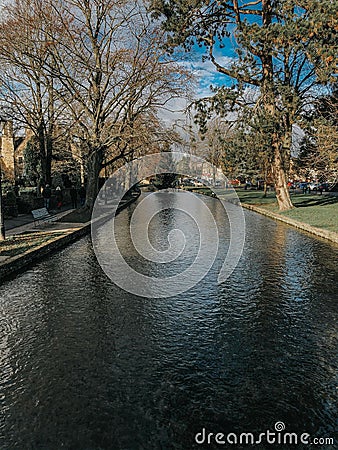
pixel 85 365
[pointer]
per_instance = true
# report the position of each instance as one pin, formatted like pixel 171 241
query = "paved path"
pixel 65 233
pixel 26 224
pixel 24 219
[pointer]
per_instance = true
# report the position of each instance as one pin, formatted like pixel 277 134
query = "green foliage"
pixel 32 161
pixel 165 180
pixel 10 205
pixel 284 51
pixel 10 198
pixel 247 151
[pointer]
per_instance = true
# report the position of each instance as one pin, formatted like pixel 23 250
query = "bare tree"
pixel 27 93
pixel 318 156
pixel 97 67
pixel 110 70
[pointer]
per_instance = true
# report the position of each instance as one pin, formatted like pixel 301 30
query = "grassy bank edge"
pixel 318 211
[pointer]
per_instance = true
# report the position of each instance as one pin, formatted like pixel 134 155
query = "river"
pixel 86 365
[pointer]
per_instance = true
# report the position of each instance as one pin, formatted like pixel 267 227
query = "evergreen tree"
pixel 32 161
pixel 283 50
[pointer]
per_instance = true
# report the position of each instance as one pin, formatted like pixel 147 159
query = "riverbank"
pixel 27 245
pixel 313 213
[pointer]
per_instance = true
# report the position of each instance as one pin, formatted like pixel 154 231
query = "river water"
pixel 85 365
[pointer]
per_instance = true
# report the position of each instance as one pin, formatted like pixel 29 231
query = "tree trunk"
pixel 268 94
pixel 265 189
pixel 94 165
pixel 50 132
pixel 49 152
pixel 42 154
pixel 280 181
pixel 41 134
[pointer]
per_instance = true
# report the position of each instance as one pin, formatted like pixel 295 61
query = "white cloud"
pixel 206 75
pixel 205 71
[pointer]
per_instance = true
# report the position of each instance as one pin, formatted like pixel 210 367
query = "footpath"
pixel 27 243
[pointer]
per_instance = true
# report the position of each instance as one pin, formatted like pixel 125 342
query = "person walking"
pixel 46 194
pixel 59 197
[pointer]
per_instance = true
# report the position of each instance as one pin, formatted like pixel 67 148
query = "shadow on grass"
pixel 316 201
pixel 257 199
pixel 18 244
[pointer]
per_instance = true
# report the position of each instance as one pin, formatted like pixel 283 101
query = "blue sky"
pixel 205 74
pixel 204 70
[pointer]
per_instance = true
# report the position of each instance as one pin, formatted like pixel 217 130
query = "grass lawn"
pixel 320 211
pixel 14 245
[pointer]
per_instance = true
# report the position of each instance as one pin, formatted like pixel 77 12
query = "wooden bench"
pixel 42 215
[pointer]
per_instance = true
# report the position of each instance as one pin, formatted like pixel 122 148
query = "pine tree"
pixel 283 50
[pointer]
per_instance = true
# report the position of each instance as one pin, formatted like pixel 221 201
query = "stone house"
pixel 12 148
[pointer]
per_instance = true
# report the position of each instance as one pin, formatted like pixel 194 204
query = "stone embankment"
pixel 319 232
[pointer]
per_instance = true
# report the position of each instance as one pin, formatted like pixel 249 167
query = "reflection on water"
pixel 85 365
